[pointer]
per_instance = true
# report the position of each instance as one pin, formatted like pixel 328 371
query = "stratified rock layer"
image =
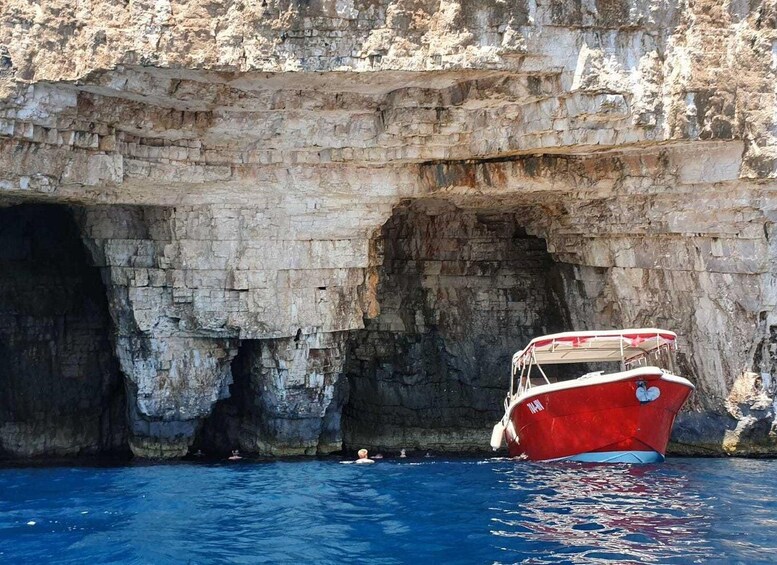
pixel 243 171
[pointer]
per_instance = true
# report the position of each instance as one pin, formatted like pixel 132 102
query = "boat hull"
pixel 610 419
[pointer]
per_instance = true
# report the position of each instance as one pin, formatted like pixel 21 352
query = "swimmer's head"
pixel 362 453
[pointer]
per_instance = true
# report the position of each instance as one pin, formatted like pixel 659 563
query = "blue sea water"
pixel 396 511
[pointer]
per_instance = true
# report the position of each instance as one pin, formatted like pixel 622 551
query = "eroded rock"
pixel 238 167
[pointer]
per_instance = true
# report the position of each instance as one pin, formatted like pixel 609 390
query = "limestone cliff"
pixel 334 220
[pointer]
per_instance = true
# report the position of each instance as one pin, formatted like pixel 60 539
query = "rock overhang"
pixel 234 164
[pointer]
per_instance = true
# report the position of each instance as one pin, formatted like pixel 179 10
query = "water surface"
pixel 396 511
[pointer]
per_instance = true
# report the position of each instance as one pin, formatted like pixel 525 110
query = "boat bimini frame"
pixel 630 348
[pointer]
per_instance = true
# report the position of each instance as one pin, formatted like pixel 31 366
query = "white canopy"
pixel 584 347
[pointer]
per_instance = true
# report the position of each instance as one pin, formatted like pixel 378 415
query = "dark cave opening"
pixel 61 390
pixel 459 292
pixel 219 433
pixel 285 399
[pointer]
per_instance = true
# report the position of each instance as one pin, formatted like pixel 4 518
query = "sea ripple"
pixel 396 511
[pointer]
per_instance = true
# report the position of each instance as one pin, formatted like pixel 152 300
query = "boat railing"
pixel 658 356
pixel 523 371
pixel 539 368
pixel 524 381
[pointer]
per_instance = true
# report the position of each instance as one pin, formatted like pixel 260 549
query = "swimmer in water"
pixel 235 455
pixel 402 453
pixel 363 457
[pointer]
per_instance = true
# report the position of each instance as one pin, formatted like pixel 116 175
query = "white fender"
pixel 497 435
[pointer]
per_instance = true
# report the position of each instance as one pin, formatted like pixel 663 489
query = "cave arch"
pixel 459 290
pixel 285 399
pixel 61 391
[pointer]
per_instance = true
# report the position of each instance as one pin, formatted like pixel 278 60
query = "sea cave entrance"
pixel 459 290
pixel 285 399
pixel 61 391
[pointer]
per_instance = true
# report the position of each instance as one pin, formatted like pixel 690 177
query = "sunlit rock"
pixel 240 171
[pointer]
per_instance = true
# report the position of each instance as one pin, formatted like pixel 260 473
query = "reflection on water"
pixel 396 511
pixel 585 512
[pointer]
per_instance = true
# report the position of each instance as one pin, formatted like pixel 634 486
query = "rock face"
pixel 309 217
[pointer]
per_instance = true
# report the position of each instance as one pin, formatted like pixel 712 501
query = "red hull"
pixel 592 416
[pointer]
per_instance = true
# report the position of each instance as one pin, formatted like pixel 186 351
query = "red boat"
pixel 621 416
